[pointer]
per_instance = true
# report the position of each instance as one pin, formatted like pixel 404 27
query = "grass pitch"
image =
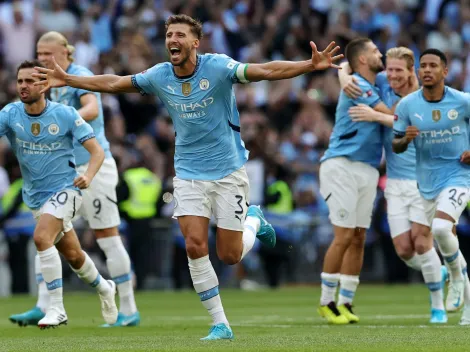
pixel 393 318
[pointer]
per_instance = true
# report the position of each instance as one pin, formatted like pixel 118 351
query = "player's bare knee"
pixel 404 251
pixel 75 257
pixel 358 239
pixel 42 240
pixel 196 247
pixel 104 233
pixel 229 258
pixel 343 238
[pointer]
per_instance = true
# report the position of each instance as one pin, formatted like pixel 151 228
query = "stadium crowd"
pixel 286 124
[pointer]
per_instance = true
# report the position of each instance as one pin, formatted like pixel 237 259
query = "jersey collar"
pixel 198 61
pixel 37 115
pixel 434 101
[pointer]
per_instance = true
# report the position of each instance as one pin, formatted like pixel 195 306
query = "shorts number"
pixel 453 193
pixel 60 198
pixel 97 205
pixel 238 213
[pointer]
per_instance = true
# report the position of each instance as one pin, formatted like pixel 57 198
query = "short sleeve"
pixel 401 120
pixel 81 130
pixel 232 70
pixel 369 95
pixel 146 81
pixel 4 122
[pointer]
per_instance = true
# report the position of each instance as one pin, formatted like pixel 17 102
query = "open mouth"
pixel 24 94
pixel 175 52
pixel 427 78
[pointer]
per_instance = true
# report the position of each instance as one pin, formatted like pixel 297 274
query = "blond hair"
pixel 402 53
pixel 56 37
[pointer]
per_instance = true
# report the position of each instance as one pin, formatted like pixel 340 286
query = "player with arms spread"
pixel 348 183
pixel 41 134
pixel 435 118
pixel 99 206
pixel 409 227
pixel 197 91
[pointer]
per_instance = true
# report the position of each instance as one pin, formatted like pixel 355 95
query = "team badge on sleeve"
pixel 395 117
pixel 79 122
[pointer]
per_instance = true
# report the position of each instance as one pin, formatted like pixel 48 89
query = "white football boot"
pixel 109 309
pixel 454 300
pixel 54 317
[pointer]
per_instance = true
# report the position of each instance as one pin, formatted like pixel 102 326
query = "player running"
pixel 436 119
pixel 99 205
pixel 409 226
pixel 197 91
pixel 348 183
pixel 41 134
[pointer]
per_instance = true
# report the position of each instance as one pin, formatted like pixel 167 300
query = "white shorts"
pixel 62 205
pixel 227 199
pixel 349 189
pixel 451 200
pixel 404 206
pixel 100 207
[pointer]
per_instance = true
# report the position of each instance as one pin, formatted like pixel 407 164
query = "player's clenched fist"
pixel 81 182
pixel 411 133
pixel 465 157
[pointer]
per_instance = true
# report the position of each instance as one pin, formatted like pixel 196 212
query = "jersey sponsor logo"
pixel 79 122
pixel 436 115
pixel 186 88
pixel 204 84
pixel 37 148
pixel 192 109
pixel 419 116
pixel 35 128
pixel 440 136
pixel 20 126
pixel 53 129
pixel 171 88
pixel 452 114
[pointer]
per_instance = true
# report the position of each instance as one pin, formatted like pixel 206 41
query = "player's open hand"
pixel 465 157
pixel 323 60
pixel 411 133
pixel 362 113
pixel 351 88
pixel 81 182
pixel 50 78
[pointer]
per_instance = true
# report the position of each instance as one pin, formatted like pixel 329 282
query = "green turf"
pixel 393 318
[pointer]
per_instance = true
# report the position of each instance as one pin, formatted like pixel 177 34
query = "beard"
pixel 30 99
pixel 184 57
pixel 377 67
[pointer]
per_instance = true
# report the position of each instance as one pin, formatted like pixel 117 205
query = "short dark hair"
pixel 435 52
pixel 196 26
pixel 28 64
pixel 354 49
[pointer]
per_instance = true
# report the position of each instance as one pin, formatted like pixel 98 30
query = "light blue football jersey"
pixel 43 145
pixel 71 96
pixel 357 141
pixel 443 137
pixel 399 166
pixel 204 113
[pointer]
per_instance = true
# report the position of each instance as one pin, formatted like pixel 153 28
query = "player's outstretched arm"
pixel 96 159
pixel 276 70
pixel 400 143
pixel 101 83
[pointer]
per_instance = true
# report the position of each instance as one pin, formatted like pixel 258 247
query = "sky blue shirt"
pixel 204 113
pixel 357 141
pixel 71 96
pixel 444 136
pixel 399 166
pixel 43 145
